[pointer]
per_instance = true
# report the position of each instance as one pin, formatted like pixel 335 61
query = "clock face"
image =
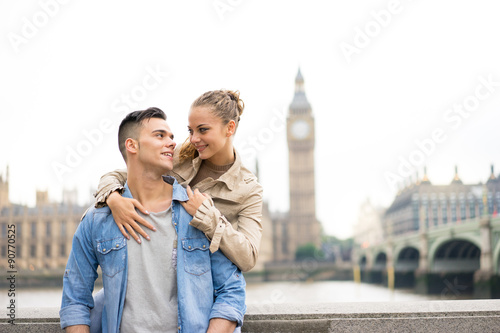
pixel 300 129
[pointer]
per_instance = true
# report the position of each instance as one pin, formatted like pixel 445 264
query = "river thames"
pixel 267 293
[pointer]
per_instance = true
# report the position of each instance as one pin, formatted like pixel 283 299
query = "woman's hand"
pixel 196 198
pixel 123 210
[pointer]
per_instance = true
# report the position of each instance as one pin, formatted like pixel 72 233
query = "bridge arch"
pixel 363 261
pixel 456 255
pixel 406 259
pixel 400 247
pixel 496 259
pixel 380 262
pixel 441 240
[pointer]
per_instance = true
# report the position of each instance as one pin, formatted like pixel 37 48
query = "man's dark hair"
pixel 130 126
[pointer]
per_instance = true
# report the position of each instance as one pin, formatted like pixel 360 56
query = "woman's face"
pixel 210 136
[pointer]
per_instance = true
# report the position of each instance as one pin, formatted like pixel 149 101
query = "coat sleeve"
pixel 110 182
pixel 240 245
pixel 229 290
pixel 79 277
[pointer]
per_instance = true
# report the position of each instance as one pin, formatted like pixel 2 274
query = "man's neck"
pixel 149 188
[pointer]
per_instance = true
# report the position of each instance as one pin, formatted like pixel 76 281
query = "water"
pixel 262 293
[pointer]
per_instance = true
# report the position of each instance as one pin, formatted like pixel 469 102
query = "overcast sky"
pixel 394 86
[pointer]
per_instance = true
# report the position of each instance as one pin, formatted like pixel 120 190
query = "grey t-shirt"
pixel 151 298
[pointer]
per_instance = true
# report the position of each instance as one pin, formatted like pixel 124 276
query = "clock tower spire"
pixel 302 226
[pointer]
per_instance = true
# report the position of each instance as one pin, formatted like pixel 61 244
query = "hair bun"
pixel 235 96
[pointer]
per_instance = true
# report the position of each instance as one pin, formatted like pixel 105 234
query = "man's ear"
pixel 131 146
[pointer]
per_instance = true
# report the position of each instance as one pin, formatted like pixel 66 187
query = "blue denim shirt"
pixel 208 284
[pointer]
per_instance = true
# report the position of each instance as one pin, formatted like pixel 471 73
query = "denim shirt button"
pixel 204 246
pixel 117 245
pixel 104 250
pixel 189 246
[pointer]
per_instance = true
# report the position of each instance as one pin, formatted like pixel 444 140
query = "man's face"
pixel 156 145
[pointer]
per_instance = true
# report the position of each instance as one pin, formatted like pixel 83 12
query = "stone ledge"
pixel 424 316
pixel 375 310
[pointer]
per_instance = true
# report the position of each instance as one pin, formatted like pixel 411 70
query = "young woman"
pixel 226 203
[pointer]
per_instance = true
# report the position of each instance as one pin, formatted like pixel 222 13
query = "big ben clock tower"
pixel 303 228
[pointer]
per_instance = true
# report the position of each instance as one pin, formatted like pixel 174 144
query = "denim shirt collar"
pixel 178 193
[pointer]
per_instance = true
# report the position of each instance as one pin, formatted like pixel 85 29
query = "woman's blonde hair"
pixel 225 104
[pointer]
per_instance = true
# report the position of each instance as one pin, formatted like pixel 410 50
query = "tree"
pixel 308 250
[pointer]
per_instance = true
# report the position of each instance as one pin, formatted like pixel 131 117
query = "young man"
pixel 171 285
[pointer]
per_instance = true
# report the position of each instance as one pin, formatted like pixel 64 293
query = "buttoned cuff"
pixel 208 220
pixel 101 200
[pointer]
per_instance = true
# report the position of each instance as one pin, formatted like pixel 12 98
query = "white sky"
pixel 71 72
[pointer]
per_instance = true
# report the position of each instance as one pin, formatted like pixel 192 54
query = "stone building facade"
pixel 435 205
pixel 43 234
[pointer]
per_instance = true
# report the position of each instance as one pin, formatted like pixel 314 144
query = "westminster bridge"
pixel 458 258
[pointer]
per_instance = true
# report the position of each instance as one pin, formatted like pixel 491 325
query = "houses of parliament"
pixel 44 233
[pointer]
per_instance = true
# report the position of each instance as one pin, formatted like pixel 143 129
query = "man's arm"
pixel 78 329
pixel 229 288
pixel 79 277
pixel 219 325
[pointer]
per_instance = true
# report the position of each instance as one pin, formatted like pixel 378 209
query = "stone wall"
pixel 426 316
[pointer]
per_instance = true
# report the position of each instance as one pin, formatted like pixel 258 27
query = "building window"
pixel 63 250
pixel 49 229
pixel 4 251
pixel 481 207
pixel 490 203
pixel 63 230
pixel 33 230
pixel 453 211
pixel 497 202
pixel 435 216
pixel 462 210
pixel 416 221
pixel 33 251
pixel 444 212
pixel 426 212
pixel 19 251
pixel 472 209
pixel 47 250
pixel 284 240
pixel 19 230
pixel 4 230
